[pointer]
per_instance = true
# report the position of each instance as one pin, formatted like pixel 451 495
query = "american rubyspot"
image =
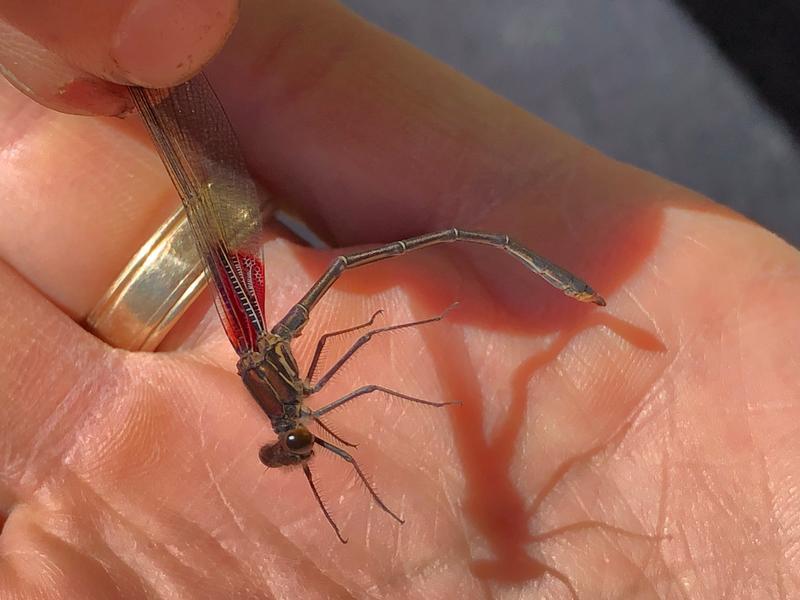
pixel 201 153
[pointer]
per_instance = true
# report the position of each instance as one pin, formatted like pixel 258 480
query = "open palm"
pixel 657 438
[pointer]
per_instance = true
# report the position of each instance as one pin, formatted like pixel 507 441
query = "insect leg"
pixel 345 456
pixel 307 471
pixel 368 389
pixel 324 340
pixel 367 337
pixel 332 433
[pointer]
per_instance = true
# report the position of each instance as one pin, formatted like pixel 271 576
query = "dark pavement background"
pixel 639 79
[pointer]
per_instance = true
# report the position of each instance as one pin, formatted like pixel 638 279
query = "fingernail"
pixel 160 43
pixel 45 77
pixel 83 95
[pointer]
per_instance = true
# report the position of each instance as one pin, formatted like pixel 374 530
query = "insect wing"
pixel 201 153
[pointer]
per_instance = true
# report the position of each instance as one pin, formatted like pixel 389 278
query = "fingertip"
pixel 82 95
pixel 44 77
pixel 90 96
pixel 160 44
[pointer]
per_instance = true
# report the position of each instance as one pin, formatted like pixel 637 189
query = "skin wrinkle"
pixel 12 134
pixel 702 477
pixel 604 457
pixel 661 525
pixel 612 538
pixel 695 567
pixel 625 333
pixel 638 583
pixel 769 498
pixel 112 560
pixel 652 321
pixel 223 498
pixel 143 528
pixel 51 571
pixel 428 569
pixel 730 571
pixel 726 503
pixel 672 440
pixel 233 579
pixel 604 449
pixel 245 453
pixel 54 571
pixel 67 407
pixel 135 420
pixel 462 530
pixel 765 483
pixel 43 437
pixel 107 534
pixel 419 571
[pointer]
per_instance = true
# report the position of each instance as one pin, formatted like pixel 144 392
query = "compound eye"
pixel 299 440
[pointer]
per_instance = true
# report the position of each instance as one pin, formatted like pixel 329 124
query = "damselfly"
pixel 201 153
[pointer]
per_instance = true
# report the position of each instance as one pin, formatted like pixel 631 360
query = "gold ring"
pixel 156 287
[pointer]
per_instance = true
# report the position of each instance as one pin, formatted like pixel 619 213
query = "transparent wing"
pixel 201 153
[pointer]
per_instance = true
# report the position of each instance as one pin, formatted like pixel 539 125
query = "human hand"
pixel 133 474
pixel 78 56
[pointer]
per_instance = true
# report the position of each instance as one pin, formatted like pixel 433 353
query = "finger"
pixel 375 141
pixel 42 391
pixel 80 197
pixel 378 141
pixel 45 77
pixel 146 42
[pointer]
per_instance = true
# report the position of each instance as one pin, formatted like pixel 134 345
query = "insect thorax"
pixel 271 375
